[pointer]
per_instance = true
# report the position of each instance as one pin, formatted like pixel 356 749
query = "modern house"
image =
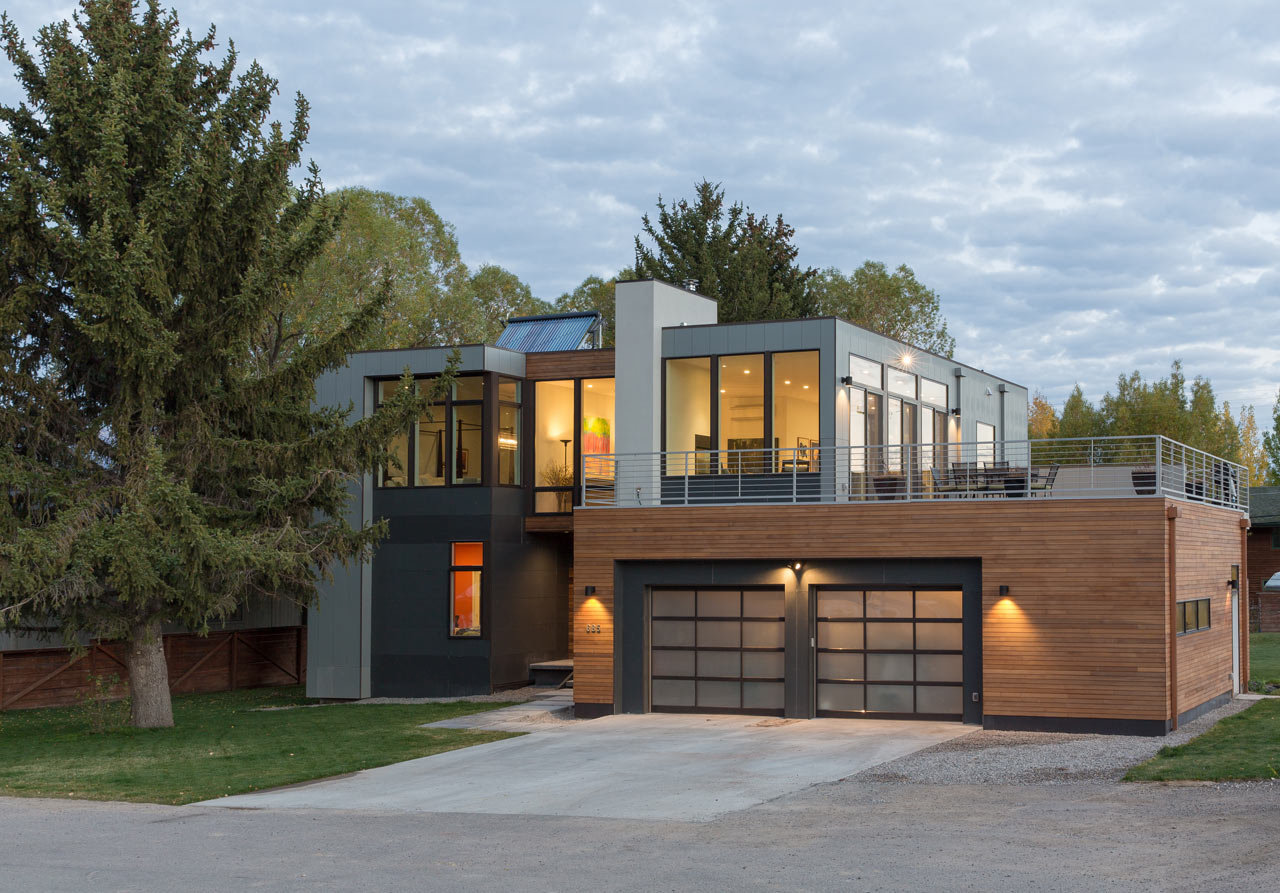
pixel 794 518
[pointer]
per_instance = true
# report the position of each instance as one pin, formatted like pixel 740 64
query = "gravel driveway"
pixel 989 757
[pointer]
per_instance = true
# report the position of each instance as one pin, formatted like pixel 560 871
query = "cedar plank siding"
pixel 1084 632
pixel 1208 544
pixel 559 364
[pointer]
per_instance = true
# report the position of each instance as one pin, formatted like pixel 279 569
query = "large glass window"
pixel 430 440
pixel 893 438
pixel 396 473
pixel 986 451
pixel 465 571
pixel 468 443
pixel 741 411
pixel 688 411
pixel 553 434
pixel 508 440
pixel 598 422
pixel 795 409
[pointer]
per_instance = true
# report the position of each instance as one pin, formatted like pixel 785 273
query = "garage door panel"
pixel 889 652
pixel 724 653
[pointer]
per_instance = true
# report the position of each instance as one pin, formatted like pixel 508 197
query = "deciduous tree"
pixel 894 303
pixel 152 471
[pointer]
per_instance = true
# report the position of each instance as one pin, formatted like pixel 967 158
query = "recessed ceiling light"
pixel 746 371
pixel 787 381
pixel 722 390
pixel 806 387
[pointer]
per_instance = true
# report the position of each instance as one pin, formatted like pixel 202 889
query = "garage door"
pixel 890 653
pixel 717 651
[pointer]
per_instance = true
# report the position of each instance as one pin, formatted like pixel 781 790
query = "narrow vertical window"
pixel 465 572
pixel 395 474
pixel 508 431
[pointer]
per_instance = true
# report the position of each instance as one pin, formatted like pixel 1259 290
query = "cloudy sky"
pixel 1091 187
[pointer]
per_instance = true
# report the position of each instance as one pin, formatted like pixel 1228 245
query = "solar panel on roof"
pixel 538 334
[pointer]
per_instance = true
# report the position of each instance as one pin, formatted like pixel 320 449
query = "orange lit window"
pixel 464 589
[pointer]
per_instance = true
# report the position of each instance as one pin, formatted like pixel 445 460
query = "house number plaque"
pixel 592 627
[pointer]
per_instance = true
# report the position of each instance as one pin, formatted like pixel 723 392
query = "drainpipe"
pixel 1173 512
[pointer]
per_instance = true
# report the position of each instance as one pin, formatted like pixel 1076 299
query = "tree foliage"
pixel 154 470
pixel 498 295
pixel 1253 456
pixel 1042 421
pixel 895 304
pixel 596 294
pixel 383 240
pixel 1166 406
pixel 745 262
pixel 1271 445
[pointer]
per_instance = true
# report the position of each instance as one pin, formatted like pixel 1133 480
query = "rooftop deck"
pixel 1080 468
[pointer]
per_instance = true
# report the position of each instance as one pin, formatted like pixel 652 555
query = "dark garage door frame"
pixel 634 581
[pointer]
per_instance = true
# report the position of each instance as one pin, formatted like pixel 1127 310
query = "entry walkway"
pixel 652 766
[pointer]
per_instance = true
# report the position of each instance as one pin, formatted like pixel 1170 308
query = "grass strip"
pixel 221 744
pixel 1243 746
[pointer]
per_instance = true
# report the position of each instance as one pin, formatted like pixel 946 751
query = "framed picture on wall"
pixel 803 447
pixel 464 465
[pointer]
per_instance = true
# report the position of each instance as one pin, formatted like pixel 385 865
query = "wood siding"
pixel 53 677
pixel 559 364
pixel 1208 544
pixel 1083 632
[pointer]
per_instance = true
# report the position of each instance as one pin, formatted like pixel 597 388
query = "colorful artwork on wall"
pixel 596 436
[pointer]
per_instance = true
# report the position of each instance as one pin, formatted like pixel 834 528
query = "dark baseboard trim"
pixel 1077 725
pixel 592 711
pixel 1197 712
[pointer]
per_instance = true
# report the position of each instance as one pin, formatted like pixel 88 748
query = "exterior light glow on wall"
pixel 796 565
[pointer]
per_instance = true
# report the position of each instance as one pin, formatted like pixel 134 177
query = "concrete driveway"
pixel 652 766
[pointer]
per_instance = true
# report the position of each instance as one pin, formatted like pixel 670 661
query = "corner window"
pixel 431 446
pixel 466 568
pixel 688 409
pixel 1192 616
pixel 467 427
pixel 795 410
pixel 508 445
pixel 395 474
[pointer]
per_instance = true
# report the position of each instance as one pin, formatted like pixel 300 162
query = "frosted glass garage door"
pixel 717 651
pixel 895 652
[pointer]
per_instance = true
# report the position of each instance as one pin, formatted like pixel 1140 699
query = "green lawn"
pixel 220 745
pixel 1243 746
pixel 1264 659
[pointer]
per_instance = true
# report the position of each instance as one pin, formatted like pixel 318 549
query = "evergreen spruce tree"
pixel 150 471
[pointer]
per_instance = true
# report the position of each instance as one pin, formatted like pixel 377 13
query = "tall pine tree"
pixel 151 472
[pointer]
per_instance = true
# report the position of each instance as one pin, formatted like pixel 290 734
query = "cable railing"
pixel 1071 468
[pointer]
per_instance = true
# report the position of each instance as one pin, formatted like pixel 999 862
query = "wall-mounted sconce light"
pixel 1004 591
pixel 846 380
pixel 956 412
pixel 1234 582
pixel 588 591
pixel 988 392
pixel 795 565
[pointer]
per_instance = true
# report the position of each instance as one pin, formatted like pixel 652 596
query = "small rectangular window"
pixel 1275 538
pixel 901 383
pixel 465 571
pixel 866 372
pixel 468 387
pixel 1193 615
pixel 933 392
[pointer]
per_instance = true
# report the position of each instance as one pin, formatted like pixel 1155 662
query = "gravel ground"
pixel 989 757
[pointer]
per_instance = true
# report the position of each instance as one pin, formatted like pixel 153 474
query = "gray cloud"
pixel 1090 187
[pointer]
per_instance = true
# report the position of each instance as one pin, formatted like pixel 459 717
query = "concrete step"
pixel 551 672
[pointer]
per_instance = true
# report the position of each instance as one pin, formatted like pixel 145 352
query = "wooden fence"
pixel 220 661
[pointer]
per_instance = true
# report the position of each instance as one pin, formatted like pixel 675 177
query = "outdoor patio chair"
pixel 944 483
pixel 967 478
pixel 1042 479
